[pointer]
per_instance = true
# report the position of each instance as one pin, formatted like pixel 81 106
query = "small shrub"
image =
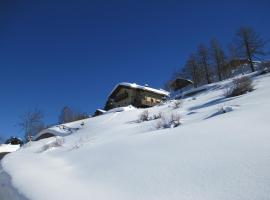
pixel 144 116
pixel 162 123
pixel 225 109
pixel 58 142
pixel 240 86
pixel 177 104
pixel 264 67
pixel 158 116
pixel 174 120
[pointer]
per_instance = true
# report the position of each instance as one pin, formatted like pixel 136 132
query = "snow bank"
pixel 121 109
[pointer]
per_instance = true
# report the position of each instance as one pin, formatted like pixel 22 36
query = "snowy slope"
pixel 210 156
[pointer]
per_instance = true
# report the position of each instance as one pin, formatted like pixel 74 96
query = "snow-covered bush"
pixel 78 144
pixel 177 104
pixel 226 109
pixel 175 120
pixel 158 116
pixel 172 121
pixel 58 142
pixel 144 116
pixel 240 86
pixel 264 67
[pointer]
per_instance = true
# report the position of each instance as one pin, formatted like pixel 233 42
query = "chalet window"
pixel 121 96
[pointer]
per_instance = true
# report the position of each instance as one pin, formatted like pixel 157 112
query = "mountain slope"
pixel 210 156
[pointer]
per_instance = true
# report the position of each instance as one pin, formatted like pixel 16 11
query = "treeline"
pixel 32 122
pixel 212 62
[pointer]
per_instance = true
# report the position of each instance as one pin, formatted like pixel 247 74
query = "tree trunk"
pixel 249 57
pixel 207 73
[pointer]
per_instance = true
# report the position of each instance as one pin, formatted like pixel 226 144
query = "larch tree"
pixel 218 57
pixel 68 114
pixel 192 69
pixel 250 43
pixel 204 61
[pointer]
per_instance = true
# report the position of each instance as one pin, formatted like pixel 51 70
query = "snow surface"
pixel 121 109
pixel 212 155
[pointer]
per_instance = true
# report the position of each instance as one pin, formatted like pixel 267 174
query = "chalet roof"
pixel 136 86
pixel 100 110
pixel 8 148
pixel 179 83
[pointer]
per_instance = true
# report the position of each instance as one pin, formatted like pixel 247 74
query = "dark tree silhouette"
pixel 218 57
pixel 250 43
pixel 68 114
pixel 204 60
pixel 192 69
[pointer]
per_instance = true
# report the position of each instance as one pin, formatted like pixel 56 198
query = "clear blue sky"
pixel 56 53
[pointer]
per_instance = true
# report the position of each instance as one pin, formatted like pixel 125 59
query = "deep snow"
pixel 212 155
pixel 7 192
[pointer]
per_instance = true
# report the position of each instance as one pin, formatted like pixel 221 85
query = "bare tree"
pixel 192 69
pixel 250 43
pixel 203 55
pixel 80 115
pixel 31 123
pixel 69 115
pixel 218 57
pixel 233 52
pixel 233 60
pixel 66 115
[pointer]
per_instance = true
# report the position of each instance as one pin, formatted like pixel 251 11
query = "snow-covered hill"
pixel 113 157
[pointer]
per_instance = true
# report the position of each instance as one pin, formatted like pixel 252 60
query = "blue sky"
pixel 56 53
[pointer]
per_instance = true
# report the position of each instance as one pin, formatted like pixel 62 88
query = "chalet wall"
pixel 126 101
pixel 148 99
pixel 135 97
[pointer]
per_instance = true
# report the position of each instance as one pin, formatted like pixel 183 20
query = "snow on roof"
pixel 8 148
pixel 62 129
pixel 102 111
pixel 59 130
pixel 146 87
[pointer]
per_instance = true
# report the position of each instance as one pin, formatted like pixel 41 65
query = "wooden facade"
pixel 124 95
